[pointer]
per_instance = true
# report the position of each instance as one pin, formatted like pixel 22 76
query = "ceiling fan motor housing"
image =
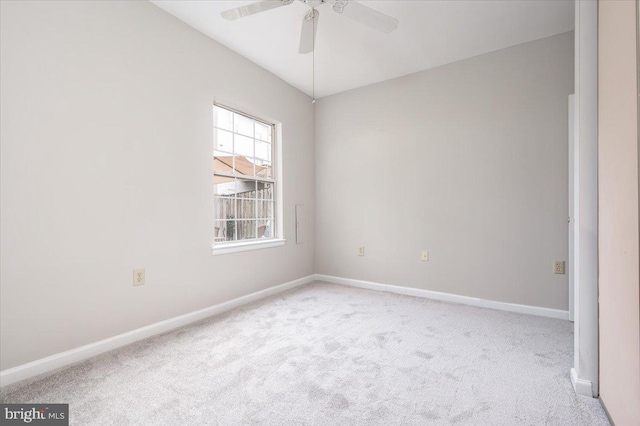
pixel 311 15
pixel 313 3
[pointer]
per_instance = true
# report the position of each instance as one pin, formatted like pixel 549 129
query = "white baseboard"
pixel 581 386
pixel 448 297
pixel 54 362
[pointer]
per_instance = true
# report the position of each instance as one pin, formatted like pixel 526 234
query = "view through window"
pixel 244 180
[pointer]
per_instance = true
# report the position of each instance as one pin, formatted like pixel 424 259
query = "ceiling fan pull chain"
pixel 313 58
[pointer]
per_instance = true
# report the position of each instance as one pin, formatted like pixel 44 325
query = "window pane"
pixel 222 162
pixel 222 118
pixel 225 208
pixel 265 191
pixel 246 229
pixel 263 169
pixel 243 146
pixel 246 209
pixel 265 229
pixel 246 188
pixel 244 166
pixel 222 140
pixel 219 228
pixel 224 186
pixel 232 230
pixel 263 132
pixel 243 125
pixel 263 151
pixel 224 230
pixel 264 209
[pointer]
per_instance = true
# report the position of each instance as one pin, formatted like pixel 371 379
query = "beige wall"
pixel 468 161
pixel 619 280
pixel 106 152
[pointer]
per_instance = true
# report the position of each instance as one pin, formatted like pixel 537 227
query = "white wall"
pixel 618 238
pixel 468 161
pixel 106 167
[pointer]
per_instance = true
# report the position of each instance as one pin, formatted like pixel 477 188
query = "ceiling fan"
pixel 349 8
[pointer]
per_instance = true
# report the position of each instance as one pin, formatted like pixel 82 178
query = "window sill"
pixel 226 248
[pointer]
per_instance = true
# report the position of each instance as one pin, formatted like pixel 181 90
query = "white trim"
pixel 448 297
pixel 573 205
pixel 585 306
pixel 226 248
pixel 245 177
pixel 62 359
pixel 581 386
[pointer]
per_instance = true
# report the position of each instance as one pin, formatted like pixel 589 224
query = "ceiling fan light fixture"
pixel 338 5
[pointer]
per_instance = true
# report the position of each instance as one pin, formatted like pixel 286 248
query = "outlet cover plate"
pixel 558 267
pixel 138 277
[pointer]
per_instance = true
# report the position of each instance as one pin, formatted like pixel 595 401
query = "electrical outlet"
pixel 138 277
pixel 425 256
pixel 361 251
pixel 558 267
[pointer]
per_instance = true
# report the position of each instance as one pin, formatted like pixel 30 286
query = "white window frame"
pixel 277 239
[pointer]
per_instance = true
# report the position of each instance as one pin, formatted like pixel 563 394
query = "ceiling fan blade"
pixel 253 8
pixel 309 31
pixel 367 16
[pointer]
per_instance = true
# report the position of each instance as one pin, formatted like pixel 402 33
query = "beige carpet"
pixel 325 354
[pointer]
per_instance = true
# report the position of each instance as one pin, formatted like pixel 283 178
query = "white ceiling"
pixel 349 54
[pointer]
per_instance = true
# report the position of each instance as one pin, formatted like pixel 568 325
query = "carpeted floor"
pixel 326 354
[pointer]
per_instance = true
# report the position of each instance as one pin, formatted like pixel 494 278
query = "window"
pixel 245 187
